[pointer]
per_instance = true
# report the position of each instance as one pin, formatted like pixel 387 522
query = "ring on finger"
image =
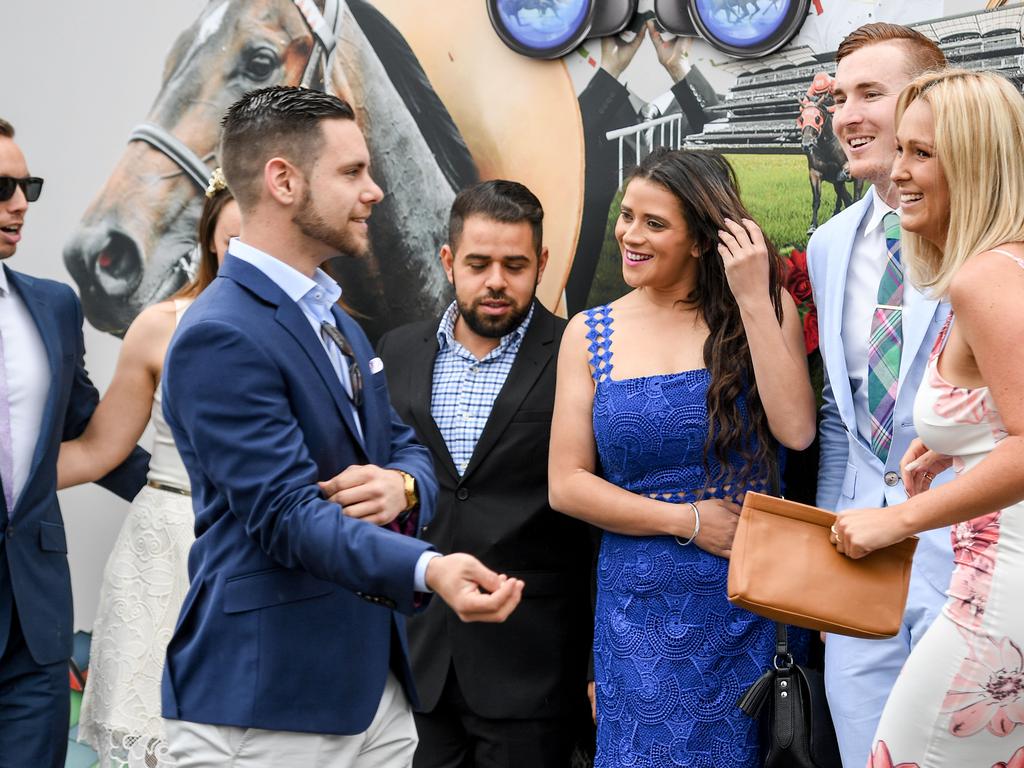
pixel 929 476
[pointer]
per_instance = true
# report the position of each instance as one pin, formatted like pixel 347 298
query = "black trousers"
pixel 35 703
pixel 454 737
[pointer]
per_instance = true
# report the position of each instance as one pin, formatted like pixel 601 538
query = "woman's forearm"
pixel 582 494
pixel 783 383
pixel 995 483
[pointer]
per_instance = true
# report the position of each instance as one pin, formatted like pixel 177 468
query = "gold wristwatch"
pixel 411 498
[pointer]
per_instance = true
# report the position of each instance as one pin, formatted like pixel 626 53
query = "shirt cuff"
pixel 419 578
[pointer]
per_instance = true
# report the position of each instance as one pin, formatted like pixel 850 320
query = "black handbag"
pixel 789 700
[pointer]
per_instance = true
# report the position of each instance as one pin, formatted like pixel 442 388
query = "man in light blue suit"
pixel 846 260
pixel 290 648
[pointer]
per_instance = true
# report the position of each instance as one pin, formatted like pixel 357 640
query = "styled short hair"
pixel 979 132
pixel 923 54
pixel 499 200
pixel 280 121
pixel 6 129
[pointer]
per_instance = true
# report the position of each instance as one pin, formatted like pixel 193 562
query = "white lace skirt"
pixel 144 584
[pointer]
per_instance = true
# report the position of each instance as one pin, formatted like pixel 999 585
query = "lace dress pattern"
pixel 672 656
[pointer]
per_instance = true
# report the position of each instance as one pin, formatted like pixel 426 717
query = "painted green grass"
pixel 777 193
pixel 774 188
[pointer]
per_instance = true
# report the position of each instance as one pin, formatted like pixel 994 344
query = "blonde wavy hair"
pixel 979 143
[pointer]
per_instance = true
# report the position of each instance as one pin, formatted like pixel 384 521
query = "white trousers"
pixel 389 742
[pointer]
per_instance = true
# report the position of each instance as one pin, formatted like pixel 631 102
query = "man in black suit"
pixel 478 386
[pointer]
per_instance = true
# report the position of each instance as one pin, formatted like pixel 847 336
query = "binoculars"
pixel 549 29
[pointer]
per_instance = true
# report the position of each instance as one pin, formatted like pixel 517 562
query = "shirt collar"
pixel 4 287
pixel 446 330
pixel 878 210
pixel 295 284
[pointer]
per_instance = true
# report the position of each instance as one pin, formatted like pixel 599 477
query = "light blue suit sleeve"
pixel 834 446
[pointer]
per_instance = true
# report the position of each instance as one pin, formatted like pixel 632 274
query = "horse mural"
pixel 134 243
pixel 825 158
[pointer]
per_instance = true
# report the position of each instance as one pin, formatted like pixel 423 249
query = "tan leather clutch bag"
pixel 784 567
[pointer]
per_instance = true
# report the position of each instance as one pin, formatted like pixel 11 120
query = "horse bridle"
pixel 325 27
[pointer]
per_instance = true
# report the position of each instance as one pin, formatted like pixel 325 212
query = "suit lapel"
pixel 420 381
pixel 49 333
pixel 835 361
pixel 291 318
pixel 918 314
pixel 535 354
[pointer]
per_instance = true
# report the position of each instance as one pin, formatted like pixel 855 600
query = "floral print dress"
pixel 959 700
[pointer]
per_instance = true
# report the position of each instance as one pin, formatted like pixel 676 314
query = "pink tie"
pixel 6 450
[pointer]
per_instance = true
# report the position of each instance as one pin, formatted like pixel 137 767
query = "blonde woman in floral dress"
pixel 959 701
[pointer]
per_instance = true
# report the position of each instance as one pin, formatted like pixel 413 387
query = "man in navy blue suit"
pixel 290 648
pixel 45 397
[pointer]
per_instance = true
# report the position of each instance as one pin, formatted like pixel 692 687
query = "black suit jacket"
pixel 535 664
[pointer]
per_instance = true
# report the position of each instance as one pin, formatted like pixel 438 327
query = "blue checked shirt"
pixel 464 388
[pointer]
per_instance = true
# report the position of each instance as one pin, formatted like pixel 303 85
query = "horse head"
pixel 813 121
pixel 132 245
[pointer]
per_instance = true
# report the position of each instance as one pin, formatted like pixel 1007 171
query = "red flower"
pixel 811 330
pixel 798 283
pixel 1017 761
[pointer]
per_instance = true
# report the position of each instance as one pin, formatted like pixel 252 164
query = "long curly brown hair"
pixel 705 185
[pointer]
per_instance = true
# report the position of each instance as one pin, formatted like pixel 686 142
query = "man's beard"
pixel 309 221
pixel 493 327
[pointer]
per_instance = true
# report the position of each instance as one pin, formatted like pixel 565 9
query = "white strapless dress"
pixel 144 584
pixel 959 700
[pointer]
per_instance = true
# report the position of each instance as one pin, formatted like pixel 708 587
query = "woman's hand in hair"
pixel 745 258
pixel 718 521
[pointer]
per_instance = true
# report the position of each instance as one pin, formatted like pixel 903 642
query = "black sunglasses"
pixel 32 186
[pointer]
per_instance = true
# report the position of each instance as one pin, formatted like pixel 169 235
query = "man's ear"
pixel 282 180
pixel 448 262
pixel 542 262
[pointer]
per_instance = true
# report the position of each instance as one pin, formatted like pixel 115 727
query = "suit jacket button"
pixel 462 494
pixel 891 478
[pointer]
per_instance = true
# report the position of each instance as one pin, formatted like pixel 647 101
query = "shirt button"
pixel 462 494
pixel 891 478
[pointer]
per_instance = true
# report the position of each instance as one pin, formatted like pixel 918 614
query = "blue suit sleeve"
pixel 126 479
pixel 409 456
pixel 228 401
pixel 834 446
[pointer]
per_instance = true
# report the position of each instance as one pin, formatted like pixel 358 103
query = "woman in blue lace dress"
pixel 671 403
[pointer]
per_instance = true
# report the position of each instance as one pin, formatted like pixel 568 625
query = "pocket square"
pixel 376 365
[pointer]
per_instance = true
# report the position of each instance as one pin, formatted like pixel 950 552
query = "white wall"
pixel 77 77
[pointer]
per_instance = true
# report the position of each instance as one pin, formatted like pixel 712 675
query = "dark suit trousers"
pixel 451 736
pixel 35 701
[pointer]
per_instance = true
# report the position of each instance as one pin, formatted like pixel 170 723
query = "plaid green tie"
pixel 886 343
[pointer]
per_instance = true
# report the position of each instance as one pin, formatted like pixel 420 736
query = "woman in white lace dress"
pixel 959 700
pixel 146 576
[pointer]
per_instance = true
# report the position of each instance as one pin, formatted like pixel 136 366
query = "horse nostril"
pixel 118 265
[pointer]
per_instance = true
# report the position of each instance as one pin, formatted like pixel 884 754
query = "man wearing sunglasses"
pixel 45 397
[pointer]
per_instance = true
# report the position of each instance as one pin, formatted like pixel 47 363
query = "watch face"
pixel 748 29
pixel 543 29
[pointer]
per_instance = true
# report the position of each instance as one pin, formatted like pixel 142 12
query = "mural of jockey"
pixel 825 158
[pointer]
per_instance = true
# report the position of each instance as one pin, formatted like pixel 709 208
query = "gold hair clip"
pixel 217 183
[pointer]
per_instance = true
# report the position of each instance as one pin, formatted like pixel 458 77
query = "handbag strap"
pixel 783 658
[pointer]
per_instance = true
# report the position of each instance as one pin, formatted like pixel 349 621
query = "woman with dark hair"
pixel 671 403
pixel 146 575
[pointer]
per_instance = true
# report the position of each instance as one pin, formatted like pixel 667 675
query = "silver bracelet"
pixel 696 527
